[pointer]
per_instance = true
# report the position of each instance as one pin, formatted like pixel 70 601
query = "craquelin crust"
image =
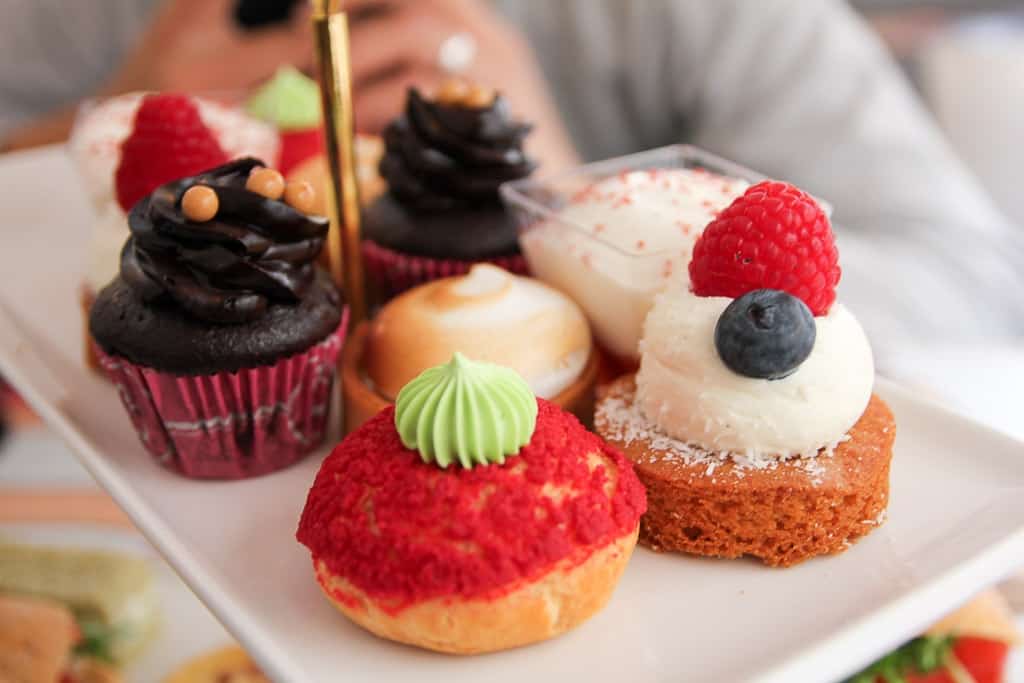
pixel 783 515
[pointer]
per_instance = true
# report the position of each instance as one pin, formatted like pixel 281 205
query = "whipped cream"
pixel 629 234
pixel 103 259
pixel 487 315
pixel 685 390
pixel 95 148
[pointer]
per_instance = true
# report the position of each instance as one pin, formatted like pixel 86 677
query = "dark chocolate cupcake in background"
pixel 219 332
pixel 444 161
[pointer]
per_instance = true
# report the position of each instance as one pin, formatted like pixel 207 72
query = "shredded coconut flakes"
pixel 624 422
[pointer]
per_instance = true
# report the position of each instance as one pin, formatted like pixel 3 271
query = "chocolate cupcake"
pixel 219 332
pixel 443 164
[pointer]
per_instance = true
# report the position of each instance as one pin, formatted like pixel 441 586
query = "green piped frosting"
pixel 290 100
pixel 466 411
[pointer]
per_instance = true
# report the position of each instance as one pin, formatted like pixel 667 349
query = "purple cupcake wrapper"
pixel 231 425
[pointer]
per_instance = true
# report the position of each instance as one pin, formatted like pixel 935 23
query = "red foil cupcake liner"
pixel 393 272
pixel 231 425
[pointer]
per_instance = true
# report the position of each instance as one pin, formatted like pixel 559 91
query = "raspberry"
pixel 773 237
pixel 168 141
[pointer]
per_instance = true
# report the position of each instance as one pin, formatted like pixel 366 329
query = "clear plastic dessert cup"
pixel 614 262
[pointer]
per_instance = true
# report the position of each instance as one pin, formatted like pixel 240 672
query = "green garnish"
pixel 918 656
pixel 466 412
pixel 97 641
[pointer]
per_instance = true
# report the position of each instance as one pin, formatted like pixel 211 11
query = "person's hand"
pixel 195 46
pixel 396 44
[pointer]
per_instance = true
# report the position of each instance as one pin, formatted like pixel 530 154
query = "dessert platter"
pixel 612 423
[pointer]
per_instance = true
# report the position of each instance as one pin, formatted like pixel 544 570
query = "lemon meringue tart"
pixel 487 315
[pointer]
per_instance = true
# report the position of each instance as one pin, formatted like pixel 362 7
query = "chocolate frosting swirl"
pixel 227 270
pixel 443 156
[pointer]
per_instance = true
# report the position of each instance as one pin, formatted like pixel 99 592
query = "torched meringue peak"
pixel 487 315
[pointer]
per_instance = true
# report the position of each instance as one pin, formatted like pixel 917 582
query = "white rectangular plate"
pixel 956 523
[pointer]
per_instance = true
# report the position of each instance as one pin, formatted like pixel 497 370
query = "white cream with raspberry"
pixel 95 148
pixel 630 234
pixel 685 389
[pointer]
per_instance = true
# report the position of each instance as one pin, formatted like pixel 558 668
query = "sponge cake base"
pixel 783 515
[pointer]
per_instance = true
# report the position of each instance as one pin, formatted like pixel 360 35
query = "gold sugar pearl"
pixel 300 195
pixel 452 91
pixel 200 203
pixel 479 97
pixel 266 182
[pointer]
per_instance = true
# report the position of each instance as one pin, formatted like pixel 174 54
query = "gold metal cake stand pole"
pixel 330 35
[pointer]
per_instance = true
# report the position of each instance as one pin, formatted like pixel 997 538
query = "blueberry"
pixel 765 334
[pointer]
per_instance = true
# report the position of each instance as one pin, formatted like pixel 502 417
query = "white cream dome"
pixel 685 389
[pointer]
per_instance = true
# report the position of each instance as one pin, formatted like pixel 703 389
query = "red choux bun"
pixel 469 561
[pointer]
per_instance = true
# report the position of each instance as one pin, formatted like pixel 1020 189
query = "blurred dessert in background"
pixel 14 412
pixel 369 150
pixel 40 642
pixel 616 242
pixel 164 137
pixel 228 664
pixel 444 159
pixel 112 596
pixel 488 315
pixel 290 101
pixel 971 645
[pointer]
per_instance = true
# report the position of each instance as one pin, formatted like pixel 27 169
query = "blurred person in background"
pixel 801 90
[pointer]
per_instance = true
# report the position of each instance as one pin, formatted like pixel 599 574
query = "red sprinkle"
pixel 403 531
pixel 624 200
pixel 582 195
